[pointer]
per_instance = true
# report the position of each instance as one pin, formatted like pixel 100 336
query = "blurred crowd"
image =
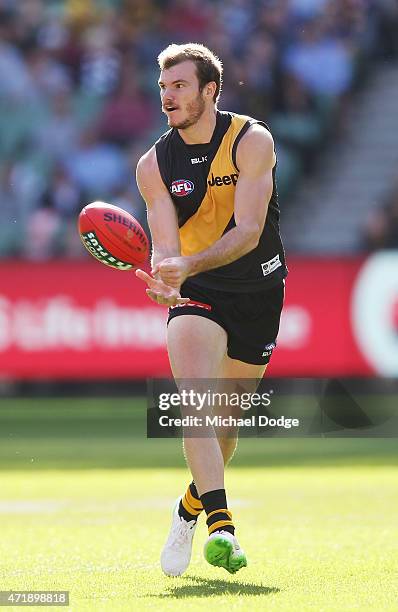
pixel 79 99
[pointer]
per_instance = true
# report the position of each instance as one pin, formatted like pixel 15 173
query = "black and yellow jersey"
pixel 201 180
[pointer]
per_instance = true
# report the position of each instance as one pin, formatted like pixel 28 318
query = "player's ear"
pixel 210 89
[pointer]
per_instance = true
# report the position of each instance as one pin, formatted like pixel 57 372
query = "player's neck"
pixel 202 131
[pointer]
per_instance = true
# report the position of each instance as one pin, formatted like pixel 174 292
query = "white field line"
pixel 50 506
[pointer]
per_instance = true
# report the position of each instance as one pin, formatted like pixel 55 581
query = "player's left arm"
pixel 255 159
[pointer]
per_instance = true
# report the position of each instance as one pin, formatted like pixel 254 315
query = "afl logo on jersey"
pixel 182 187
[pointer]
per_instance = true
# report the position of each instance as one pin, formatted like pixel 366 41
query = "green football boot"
pixel 222 550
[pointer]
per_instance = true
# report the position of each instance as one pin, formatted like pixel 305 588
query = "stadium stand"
pixel 354 177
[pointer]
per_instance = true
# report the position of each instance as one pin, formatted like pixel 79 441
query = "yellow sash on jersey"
pixel 207 225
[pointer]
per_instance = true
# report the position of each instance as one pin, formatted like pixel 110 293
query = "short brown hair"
pixel 208 65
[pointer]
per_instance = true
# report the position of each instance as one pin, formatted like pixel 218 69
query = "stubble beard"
pixel 195 110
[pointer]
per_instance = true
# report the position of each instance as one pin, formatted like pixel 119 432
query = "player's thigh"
pixel 196 346
pixel 235 369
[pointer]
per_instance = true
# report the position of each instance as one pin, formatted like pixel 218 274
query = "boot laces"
pixel 181 532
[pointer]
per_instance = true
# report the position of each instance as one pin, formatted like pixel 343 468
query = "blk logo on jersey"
pixel 182 187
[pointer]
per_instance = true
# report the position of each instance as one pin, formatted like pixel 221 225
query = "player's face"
pixel 182 101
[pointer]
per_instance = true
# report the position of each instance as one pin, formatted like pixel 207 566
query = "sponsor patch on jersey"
pixel 268 348
pixel 219 181
pixel 272 264
pixel 182 187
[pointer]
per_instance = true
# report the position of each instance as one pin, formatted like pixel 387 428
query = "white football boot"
pixel 176 553
pixel 222 550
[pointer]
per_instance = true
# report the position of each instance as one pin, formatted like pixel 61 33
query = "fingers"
pixel 165 266
pixel 145 277
pixel 152 296
pixel 168 269
pixel 166 300
pixel 159 292
pixel 170 274
pixel 158 297
pixel 171 280
pixel 154 283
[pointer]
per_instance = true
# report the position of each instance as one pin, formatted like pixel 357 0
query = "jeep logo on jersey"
pixel 182 187
pixel 227 179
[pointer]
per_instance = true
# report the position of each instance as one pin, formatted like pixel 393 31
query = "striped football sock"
pixel 190 505
pixel 219 518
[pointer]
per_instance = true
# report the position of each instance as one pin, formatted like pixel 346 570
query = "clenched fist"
pixel 173 270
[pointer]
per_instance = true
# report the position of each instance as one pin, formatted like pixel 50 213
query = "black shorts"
pixel 251 320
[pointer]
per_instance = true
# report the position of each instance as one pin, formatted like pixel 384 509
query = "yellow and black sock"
pixel 219 518
pixel 190 505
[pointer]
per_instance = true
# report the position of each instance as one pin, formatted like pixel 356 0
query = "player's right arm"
pixel 162 217
pixel 163 224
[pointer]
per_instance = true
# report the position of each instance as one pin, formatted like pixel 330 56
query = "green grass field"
pixel 85 506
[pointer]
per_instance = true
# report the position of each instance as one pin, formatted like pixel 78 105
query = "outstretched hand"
pixel 159 292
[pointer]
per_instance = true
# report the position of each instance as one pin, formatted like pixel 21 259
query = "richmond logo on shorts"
pixel 182 187
pixel 268 348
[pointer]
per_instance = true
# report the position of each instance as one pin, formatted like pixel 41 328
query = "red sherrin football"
pixel 113 236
